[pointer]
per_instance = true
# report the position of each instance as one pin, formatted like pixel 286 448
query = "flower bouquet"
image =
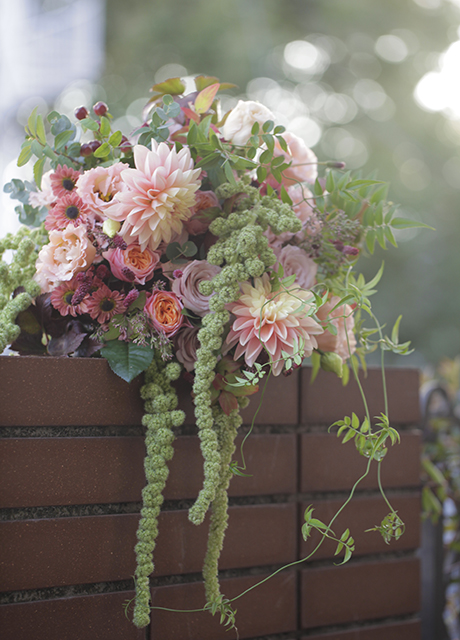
pixel 206 246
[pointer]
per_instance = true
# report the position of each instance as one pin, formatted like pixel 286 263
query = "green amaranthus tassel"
pixel 19 273
pixel 226 428
pixel 160 418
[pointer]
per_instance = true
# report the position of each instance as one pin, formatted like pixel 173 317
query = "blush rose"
pixel 132 264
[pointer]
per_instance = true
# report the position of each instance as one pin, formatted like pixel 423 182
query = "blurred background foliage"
pixel 368 83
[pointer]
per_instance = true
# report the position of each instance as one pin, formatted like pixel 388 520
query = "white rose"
pixel 238 126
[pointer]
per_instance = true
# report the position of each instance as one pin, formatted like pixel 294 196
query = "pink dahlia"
pixel 104 304
pixel 275 321
pixel 159 197
pixel 63 180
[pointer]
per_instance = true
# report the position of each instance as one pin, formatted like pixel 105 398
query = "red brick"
pixel 361 514
pixel 268 609
pixel 359 591
pixel 270 460
pixel 31 386
pixel 329 465
pixel 327 400
pixel 280 404
pixel 32 393
pixel 65 551
pixel 98 617
pixel 257 535
pixel 63 471
pixel 409 630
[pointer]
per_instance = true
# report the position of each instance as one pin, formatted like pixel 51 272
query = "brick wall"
pixel 71 476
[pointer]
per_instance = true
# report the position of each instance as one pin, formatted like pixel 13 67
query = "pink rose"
pixel 68 251
pixel 342 319
pixel 165 311
pixel 295 261
pixel 186 343
pixel 303 162
pixel 187 285
pixel 132 264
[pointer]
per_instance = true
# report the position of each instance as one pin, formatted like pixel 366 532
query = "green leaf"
pixel 317 188
pixel 379 194
pixel 349 436
pixel 269 141
pixel 103 150
pixel 89 123
pixel 285 196
pixel 63 138
pixel 115 138
pixel 266 156
pixel 41 135
pixel 357 184
pixel 105 127
pixel 37 148
pixel 25 155
pixel 380 237
pixel 378 214
pixel 126 359
pixel 389 236
pixel 205 98
pixel 370 240
pixel 282 142
pixel 38 171
pixel 189 249
pixel 404 223
pixel 330 184
pixel 32 122
pixel 173 86
pixel 268 126
pixel 229 173
pixel 48 152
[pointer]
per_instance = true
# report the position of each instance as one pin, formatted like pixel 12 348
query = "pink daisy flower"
pixel 69 208
pixel 159 197
pixel 63 180
pixel 61 299
pixel 276 321
pixel 104 304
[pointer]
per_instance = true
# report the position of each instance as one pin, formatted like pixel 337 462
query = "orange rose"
pixel 164 309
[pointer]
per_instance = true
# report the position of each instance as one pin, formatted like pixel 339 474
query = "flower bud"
pixel 331 361
pixel 111 228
